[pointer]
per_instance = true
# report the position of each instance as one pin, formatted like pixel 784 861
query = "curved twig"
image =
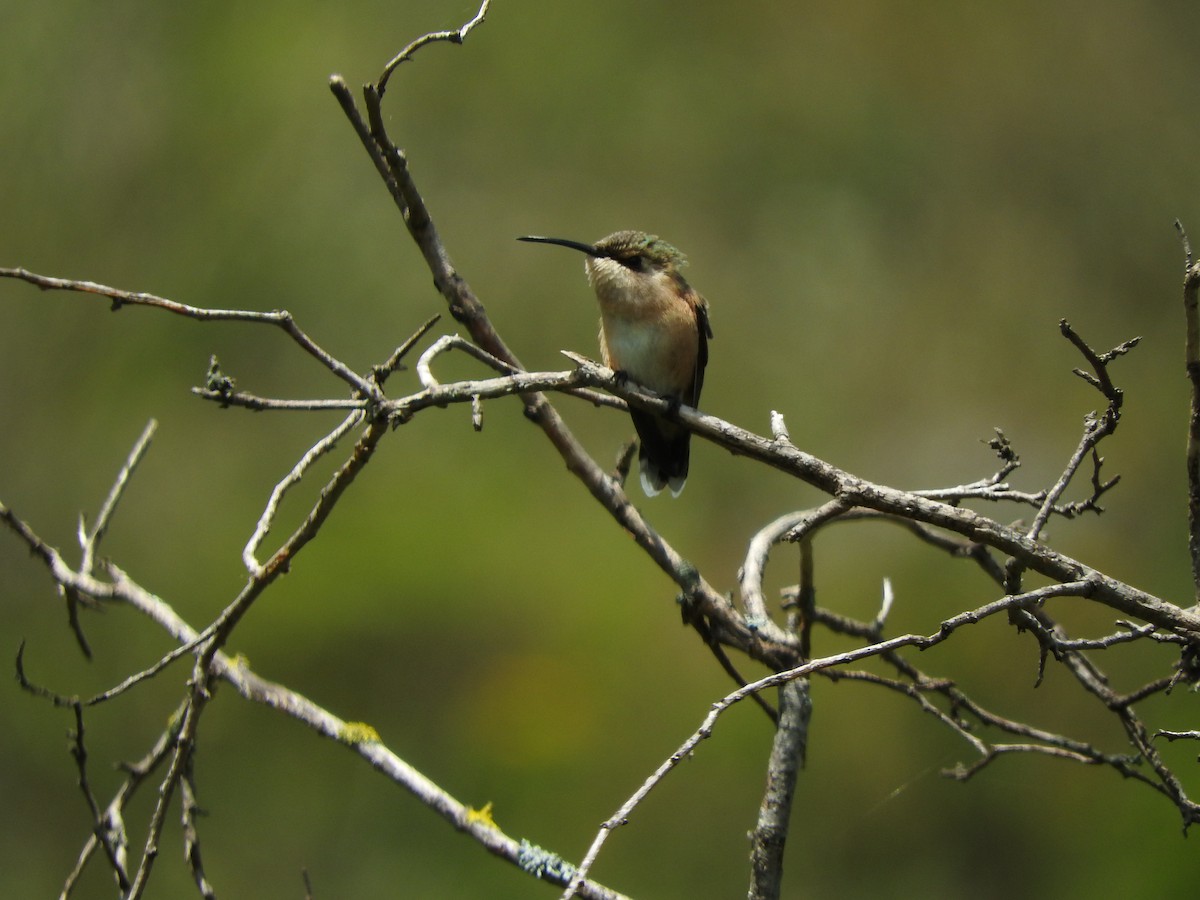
pixel 456 36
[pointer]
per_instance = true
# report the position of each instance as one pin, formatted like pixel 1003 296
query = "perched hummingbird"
pixel 653 329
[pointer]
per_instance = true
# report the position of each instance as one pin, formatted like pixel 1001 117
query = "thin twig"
pixel 315 452
pixel 280 318
pixel 1178 735
pixel 382 372
pixel 922 642
pixel 246 682
pixel 247 400
pixel 788 527
pixel 1096 428
pixel 90 538
pixel 104 517
pixel 448 342
pixel 191 834
pixel 180 761
pixel 457 36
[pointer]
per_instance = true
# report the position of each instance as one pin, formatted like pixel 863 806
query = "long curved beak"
pixel 589 249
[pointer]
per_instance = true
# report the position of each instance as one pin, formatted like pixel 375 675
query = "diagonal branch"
pixel 469 311
pixel 253 687
pixel 315 452
pixel 90 538
pixel 859 492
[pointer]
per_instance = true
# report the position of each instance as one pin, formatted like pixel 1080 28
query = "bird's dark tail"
pixel 663 454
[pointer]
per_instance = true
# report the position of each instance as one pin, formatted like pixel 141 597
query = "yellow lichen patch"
pixel 482 816
pixel 358 733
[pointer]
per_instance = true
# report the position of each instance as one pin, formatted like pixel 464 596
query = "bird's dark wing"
pixel 704 335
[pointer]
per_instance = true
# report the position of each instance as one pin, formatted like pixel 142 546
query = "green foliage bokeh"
pixel 889 207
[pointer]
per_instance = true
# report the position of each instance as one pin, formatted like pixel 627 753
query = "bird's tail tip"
pixel 653 481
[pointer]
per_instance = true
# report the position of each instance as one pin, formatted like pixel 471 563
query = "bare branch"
pixel 236 672
pixel 858 492
pixel 1095 428
pixel 280 318
pixel 113 819
pixel 449 342
pixel 395 362
pixel 88 539
pixel 934 516
pixel 180 762
pixel 1191 311
pixel 246 400
pixel 457 36
pixel 191 834
pixel 769 837
pixel 779 428
pixel 917 691
pixel 96 534
pixel 315 452
pixel 790 527
pixel 110 839
pixel 1133 633
pixel 220 390
pixel 1172 736
pixel 922 642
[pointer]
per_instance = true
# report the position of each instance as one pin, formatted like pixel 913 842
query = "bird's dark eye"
pixel 635 263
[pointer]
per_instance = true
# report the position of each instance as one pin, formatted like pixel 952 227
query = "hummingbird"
pixel 653 330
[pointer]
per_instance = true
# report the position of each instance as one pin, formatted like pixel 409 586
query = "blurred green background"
pixel 889 207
